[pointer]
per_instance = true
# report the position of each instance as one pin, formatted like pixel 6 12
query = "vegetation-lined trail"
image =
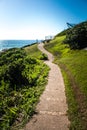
pixel 51 110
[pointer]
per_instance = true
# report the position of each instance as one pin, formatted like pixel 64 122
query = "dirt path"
pixel 52 106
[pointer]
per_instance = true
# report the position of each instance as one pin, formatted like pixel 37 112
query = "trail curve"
pixel 52 108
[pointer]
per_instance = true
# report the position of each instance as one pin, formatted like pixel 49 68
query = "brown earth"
pixel 79 97
pixel 52 108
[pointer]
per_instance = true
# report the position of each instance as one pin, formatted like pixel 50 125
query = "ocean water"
pixel 7 44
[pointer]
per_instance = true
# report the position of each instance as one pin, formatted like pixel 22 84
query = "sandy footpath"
pixel 52 108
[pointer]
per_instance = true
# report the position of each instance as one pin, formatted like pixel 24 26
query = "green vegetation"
pixel 62 33
pixel 73 64
pixel 34 52
pixel 22 80
pixel 77 36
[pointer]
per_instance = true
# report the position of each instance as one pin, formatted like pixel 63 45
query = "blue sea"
pixel 7 44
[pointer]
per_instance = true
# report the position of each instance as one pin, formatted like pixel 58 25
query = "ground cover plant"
pixel 22 80
pixel 73 64
pixel 34 52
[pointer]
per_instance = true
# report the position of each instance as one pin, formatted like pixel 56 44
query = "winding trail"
pixel 52 107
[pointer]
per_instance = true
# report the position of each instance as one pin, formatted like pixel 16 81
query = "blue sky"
pixel 35 19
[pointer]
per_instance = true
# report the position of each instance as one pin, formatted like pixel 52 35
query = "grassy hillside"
pixel 35 53
pixel 64 32
pixel 22 80
pixel 73 65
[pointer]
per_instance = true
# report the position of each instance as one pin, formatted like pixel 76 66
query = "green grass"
pixel 73 108
pixel 33 51
pixel 22 80
pixel 73 64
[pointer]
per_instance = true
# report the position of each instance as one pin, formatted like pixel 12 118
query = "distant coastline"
pixel 8 44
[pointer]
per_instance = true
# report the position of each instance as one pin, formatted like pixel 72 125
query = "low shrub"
pixel 43 57
pixel 77 36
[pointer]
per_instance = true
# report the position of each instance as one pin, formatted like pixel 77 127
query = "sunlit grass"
pixel 33 51
pixel 73 64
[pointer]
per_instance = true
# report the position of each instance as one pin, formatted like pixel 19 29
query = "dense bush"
pixel 21 83
pixel 77 36
pixel 43 57
pixel 11 55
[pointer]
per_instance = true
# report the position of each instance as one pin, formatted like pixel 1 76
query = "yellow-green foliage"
pixel 34 52
pixel 22 80
pixel 73 62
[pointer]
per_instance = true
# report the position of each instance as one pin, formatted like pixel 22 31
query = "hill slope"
pixel 22 80
pixel 73 64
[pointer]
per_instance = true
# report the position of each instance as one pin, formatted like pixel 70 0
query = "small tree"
pixel 77 36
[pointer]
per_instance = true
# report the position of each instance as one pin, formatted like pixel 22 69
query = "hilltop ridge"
pixel 73 64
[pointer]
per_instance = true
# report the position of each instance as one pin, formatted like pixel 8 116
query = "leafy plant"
pixel 77 36
pixel 22 80
pixel 44 57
